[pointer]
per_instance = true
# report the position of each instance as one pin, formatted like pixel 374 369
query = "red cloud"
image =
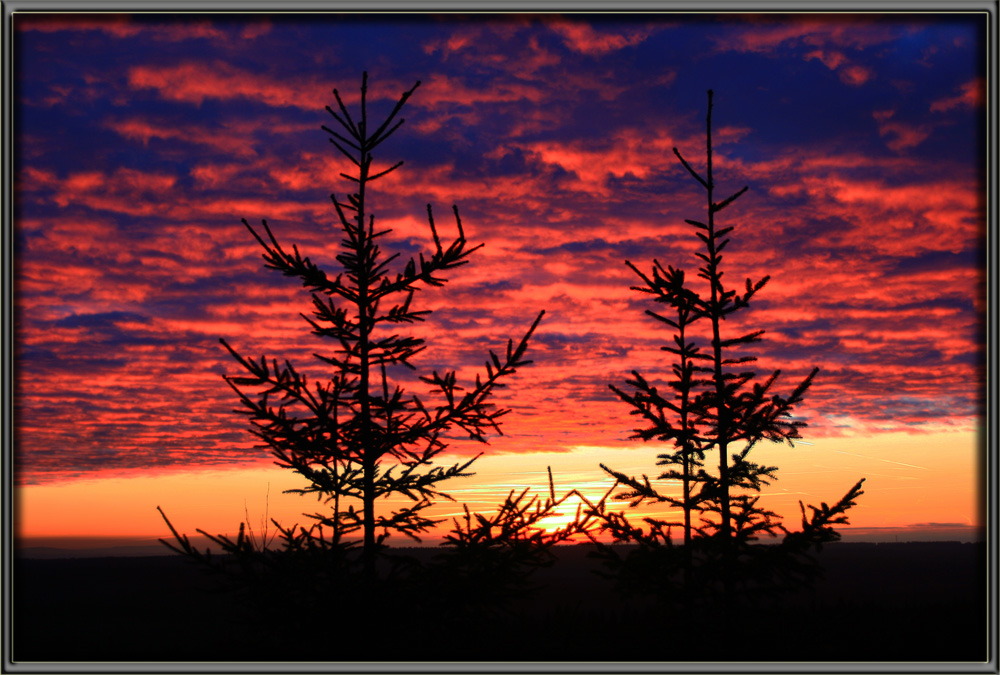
pixel 443 89
pixel 825 39
pixel 228 141
pixel 138 193
pixel 855 75
pixel 458 40
pixel 195 82
pixel 636 154
pixel 831 59
pixel 901 136
pixel 971 95
pixel 254 29
pixel 582 37
pixel 849 72
pixel 766 36
pixel 118 26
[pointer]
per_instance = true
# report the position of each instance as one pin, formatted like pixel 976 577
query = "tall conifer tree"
pixel 670 418
pixel 718 406
pixel 358 438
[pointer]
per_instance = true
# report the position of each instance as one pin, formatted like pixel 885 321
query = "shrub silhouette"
pixel 714 406
pixel 488 560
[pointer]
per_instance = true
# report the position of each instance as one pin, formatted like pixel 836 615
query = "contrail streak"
pixel 879 459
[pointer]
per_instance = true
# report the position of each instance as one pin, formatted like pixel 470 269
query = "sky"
pixel 141 141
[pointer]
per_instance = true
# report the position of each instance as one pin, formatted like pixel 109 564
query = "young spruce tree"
pixel 716 405
pixel 359 438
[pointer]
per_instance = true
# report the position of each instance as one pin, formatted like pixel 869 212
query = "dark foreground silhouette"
pixel 877 602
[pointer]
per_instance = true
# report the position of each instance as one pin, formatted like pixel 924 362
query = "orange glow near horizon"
pixel 909 484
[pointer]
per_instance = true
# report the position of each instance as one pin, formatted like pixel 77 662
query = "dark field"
pixel 915 602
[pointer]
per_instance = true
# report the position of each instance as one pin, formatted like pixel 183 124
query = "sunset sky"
pixel 141 141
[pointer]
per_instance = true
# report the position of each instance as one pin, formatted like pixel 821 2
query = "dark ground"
pixel 916 602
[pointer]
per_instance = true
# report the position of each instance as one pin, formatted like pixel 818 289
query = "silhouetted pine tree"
pixel 670 418
pixel 718 406
pixel 359 438
pixel 730 411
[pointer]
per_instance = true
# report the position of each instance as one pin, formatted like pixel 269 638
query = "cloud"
pixel 970 95
pixel 461 38
pixel 444 89
pixel 899 135
pixel 767 35
pixel 144 131
pixel 255 28
pixel 122 26
pixel 850 73
pixel 193 82
pixel 835 44
pixel 855 75
pixel 583 37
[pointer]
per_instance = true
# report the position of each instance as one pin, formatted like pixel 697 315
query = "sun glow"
pixel 572 509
